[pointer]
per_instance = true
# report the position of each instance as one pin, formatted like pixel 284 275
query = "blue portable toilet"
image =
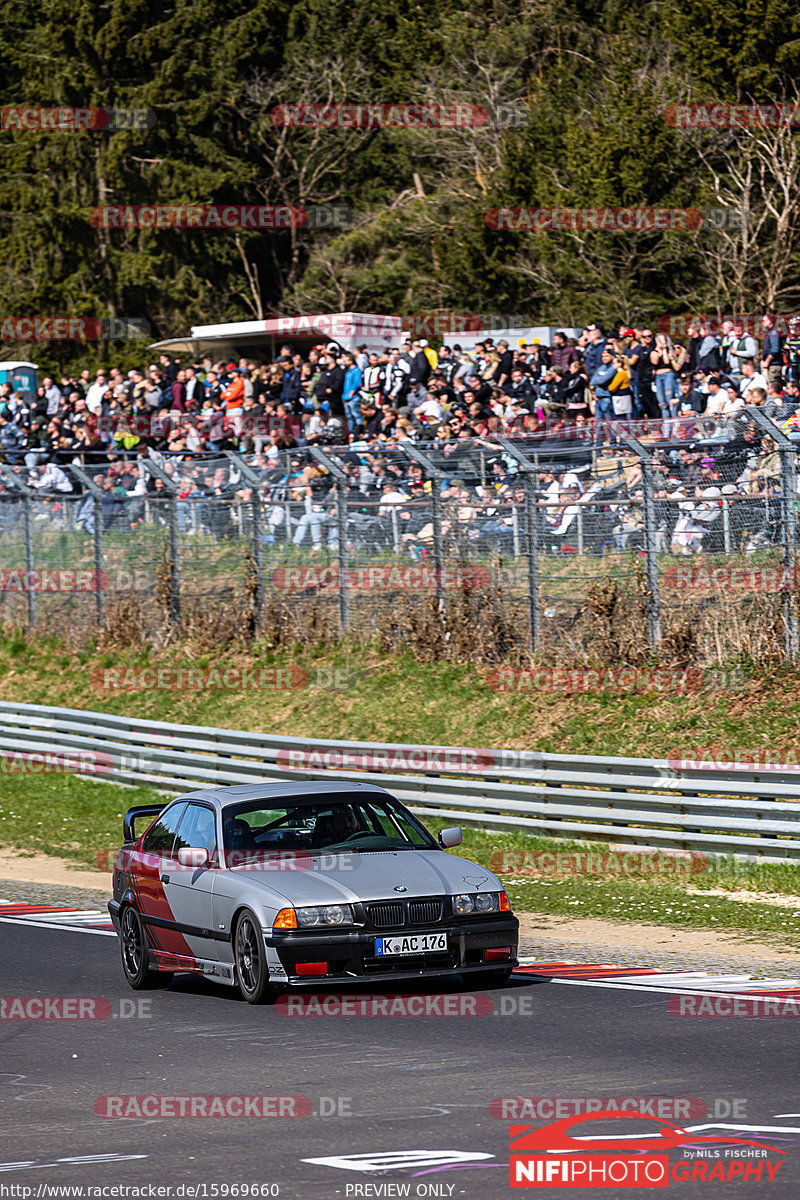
pixel 23 377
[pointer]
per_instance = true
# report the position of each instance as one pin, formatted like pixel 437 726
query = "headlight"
pixel 483 902
pixel 327 914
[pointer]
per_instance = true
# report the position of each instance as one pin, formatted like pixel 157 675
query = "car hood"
pixel 348 878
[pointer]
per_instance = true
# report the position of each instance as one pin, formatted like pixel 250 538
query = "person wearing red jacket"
pixel 233 397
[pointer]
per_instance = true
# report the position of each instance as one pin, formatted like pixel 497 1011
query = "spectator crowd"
pixel 569 401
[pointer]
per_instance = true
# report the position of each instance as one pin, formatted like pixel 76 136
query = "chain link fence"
pixel 541 544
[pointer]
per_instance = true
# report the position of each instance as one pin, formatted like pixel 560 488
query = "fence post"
pixel 532 538
pixel 252 478
pixel 650 540
pixel 787 451
pixel 341 525
pixel 174 538
pixel 788 504
pixel 435 475
pixel 29 559
pixel 530 471
pixel 27 527
pixel 97 500
pixel 342 554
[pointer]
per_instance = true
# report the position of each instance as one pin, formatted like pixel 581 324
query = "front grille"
pixel 424 912
pixel 385 916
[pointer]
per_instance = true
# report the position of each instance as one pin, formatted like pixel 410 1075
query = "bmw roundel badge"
pixel 401 888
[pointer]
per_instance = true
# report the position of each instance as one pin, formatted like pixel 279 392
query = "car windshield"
pixel 319 824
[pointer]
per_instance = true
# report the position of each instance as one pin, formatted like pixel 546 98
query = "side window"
pixel 198 829
pixel 159 838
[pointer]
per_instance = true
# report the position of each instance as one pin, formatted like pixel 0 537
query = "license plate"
pixel 412 943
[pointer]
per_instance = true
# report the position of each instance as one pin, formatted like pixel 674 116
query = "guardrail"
pixel 751 812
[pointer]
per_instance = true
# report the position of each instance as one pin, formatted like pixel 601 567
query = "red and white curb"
pixel 652 979
pixel 51 916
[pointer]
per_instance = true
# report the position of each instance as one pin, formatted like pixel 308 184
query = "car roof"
pixel 276 791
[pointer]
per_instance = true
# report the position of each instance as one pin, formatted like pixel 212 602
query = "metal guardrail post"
pixel 530 471
pixel 342 555
pixel 650 541
pixel 254 480
pixel 435 476
pixel 97 500
pixel 787 451
pixel 174 538
pixel 27 527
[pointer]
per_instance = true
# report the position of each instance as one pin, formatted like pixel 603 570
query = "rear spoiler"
pixel 142 810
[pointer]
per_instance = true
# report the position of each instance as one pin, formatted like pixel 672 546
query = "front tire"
pixel 135 953
pixel 250 957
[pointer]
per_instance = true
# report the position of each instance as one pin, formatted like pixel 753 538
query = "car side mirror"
pixel 193 856
pixel 450 837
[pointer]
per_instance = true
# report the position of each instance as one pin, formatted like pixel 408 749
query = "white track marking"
pixel 51 925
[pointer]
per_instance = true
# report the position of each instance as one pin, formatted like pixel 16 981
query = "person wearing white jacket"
pixel 50 479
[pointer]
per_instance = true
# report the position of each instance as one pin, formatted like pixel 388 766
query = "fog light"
pixel 312 968
pixel 496 954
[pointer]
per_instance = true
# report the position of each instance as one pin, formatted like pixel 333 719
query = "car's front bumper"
pixel 350 954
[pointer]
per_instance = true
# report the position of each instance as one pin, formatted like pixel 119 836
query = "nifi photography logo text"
pixel 551 1156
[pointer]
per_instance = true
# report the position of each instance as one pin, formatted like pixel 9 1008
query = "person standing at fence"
pixel 330 386
pixel 642 368
pixel 771 351
pixel 603 406
pixel 620 389
pixel 663 374
pixel 351 393
pixel 233 397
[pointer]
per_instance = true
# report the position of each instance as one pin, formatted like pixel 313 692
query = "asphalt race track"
pixel 393 1085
